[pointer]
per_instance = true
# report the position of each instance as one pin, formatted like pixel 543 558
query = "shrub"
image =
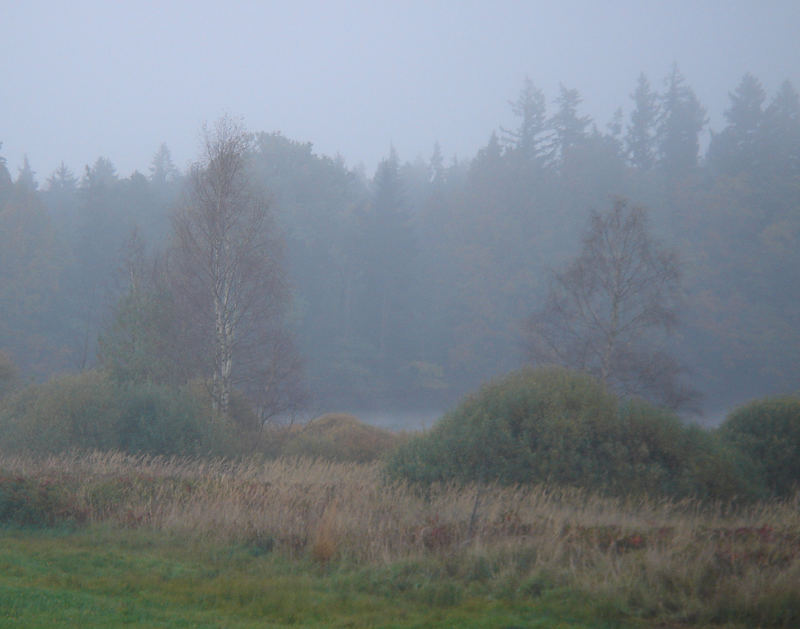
pixel 93 412
pixel 157 419
pixel 75 410
pixel 340 437
pixel 562 427
pixel 665 456
pixel 767 433
pixel 533 425
pixel 36 502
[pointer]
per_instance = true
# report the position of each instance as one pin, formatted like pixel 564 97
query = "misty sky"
pixel 83 79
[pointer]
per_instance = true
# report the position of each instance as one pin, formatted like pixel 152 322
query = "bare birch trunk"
pixel 229 277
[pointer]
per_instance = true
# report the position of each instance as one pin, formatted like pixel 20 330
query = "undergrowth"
pixel 637 559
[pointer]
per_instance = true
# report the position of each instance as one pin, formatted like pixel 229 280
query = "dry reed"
pixel 662 556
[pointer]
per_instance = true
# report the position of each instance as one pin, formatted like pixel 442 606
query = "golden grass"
pixel 668 559
pixel 340 437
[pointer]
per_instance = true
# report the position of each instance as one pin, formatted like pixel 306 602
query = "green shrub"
pixel 157 419
pixel 662 455
pixel 533 425
pixel 31 502
pixel 75 410
pixel 135 346
pixel 91 411
pixel 767 433
pixel 562 427
pixel 340 437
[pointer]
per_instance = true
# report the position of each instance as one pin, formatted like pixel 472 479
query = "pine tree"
pixel 681 120
pixel 735 149
pixel 5 178
pixel 391 255
pixel 26 179
pixel 530 109
pixel 437 165
pixel 640 139
pixel 569 129
pixel 62 181
pixel 162 169
pixel 779 142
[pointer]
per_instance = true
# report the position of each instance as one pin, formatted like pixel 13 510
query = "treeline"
pixel 412 286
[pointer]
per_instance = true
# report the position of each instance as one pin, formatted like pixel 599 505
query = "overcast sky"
pixel 83 79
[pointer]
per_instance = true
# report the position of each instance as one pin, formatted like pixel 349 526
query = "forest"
pixel 408 288
pixel 570 302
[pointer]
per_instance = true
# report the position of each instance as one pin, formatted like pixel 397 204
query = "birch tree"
pixel 228 275
pixel 611 311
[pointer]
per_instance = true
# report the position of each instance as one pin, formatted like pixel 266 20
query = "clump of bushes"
pixel 90 410
pixel 662 455
pixel 553 425
pixel 93 410
pixel 36 502
pixel 767 433
pixel 158 419
pixel 75 410
pixel 340 437
pixel 513 431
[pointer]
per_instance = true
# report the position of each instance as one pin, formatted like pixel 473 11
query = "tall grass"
pixel 681 560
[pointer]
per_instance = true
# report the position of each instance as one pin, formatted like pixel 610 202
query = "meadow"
pixel 108 539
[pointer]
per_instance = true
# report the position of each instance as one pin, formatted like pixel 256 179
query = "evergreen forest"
pixel 409 287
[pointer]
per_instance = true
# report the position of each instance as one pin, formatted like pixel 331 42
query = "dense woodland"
pixel 410 287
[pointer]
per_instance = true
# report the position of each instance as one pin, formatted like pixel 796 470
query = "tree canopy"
pixel 411 285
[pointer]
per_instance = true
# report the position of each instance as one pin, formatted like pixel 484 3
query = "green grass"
pixel 101 577
pixel 104 539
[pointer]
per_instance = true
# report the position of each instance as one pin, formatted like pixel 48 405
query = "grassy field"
pixel 110 540
pixel 104 578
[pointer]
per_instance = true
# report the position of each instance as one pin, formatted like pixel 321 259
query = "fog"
pixel 89 79
pixel 434 174
pixel 442 312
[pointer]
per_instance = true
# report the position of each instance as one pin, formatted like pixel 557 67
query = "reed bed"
pixel 657 558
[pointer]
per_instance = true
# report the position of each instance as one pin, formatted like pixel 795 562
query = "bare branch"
pixel 228 273
pixel 611 310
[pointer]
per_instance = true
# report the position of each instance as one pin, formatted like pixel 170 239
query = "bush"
pixel 76 410
pixel 533 425
pixel 36 502
pixel 157 419
pixel 665 456
pixel 562 427
pixel 91 411
pixel 767 433
pixel 340 437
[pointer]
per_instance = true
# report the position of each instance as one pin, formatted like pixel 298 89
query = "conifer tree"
pixel 527 139
pixel 641 132
pixel 681 120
